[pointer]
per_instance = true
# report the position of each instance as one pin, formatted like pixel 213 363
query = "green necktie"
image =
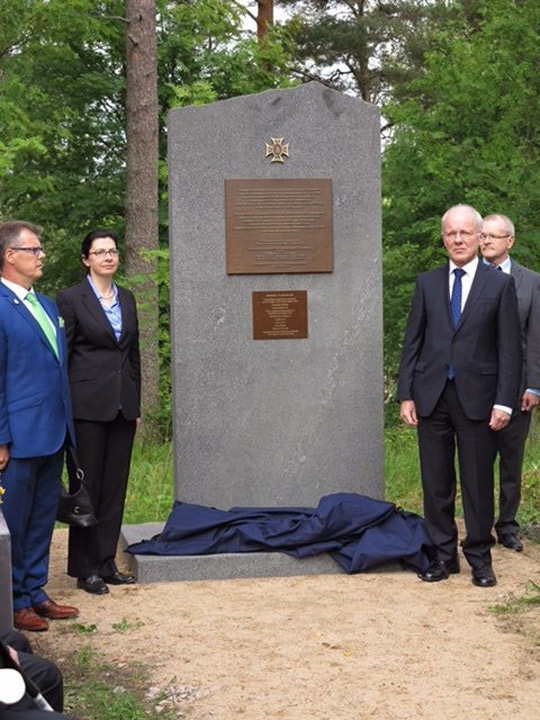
pixel 43 320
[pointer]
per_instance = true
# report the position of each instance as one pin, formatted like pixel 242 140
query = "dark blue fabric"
pixel 357 531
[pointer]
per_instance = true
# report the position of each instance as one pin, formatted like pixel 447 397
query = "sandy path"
pixel 380 645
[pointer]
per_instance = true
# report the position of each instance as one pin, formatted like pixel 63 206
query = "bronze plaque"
pixel 280 315
pixel 279 226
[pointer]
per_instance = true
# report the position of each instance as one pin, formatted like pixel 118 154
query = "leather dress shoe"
pixel 27 619
pixel 511 541
pixel 484 576
pixel 93 584
pixel 118 578
pixel 49 609
pixel 440 570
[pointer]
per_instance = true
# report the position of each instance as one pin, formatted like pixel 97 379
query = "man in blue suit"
pixel 35 421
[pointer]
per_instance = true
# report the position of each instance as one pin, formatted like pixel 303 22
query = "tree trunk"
pixel 265 18
pixel 142 188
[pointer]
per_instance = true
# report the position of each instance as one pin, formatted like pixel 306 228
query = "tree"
pixel 142 227
pixel 469 133
pixel 366 47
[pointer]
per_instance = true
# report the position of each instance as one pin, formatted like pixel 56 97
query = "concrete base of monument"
pixel 173 568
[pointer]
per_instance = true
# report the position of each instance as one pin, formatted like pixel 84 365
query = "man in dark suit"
pixel 495 243
pixel 35 418
pixel 458 383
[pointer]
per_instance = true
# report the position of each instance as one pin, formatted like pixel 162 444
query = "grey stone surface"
pixel 161 568
pixel 6 598
pixel 276 422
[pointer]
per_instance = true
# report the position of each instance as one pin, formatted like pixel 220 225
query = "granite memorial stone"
pixel 275 235
pixel 6 599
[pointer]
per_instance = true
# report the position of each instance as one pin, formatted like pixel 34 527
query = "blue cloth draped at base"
pixel 357 531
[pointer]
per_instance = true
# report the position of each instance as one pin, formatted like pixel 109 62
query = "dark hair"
pixel 10 232
pixel 95 235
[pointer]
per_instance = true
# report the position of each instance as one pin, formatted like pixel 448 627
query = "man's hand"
pixel 407 412
pixel 4 457
pixel 529 401
pixel 499 419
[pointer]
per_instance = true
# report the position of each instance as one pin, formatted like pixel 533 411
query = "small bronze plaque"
pixel 279 226
pixel 280 315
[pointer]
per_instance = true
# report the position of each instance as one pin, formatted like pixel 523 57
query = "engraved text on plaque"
pixel 279 226
pixel 280 315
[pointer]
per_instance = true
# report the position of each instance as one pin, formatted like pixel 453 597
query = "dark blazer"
pixel 104 374
pixel 35 407
pixel 485 349
pixel 528 296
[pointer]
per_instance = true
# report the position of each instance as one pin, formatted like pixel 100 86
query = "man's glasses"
pixel 102 253
pixel 489 236
pixel 452 235
pixel 37 250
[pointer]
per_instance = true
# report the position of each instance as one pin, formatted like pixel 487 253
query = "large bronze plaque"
pixel 280 315
pixel 279 226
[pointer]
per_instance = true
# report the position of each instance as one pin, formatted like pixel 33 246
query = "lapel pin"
pixel 16 301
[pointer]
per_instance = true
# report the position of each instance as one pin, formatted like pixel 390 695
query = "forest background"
pixel 457 82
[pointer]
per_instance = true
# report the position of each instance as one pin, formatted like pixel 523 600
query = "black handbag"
pixel 76 508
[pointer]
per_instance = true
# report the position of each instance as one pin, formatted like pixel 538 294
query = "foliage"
pixel 62 115
pixel 468 133
pixel 369 48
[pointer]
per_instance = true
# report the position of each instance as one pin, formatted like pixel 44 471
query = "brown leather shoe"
pixel 49 609
pixel 27 619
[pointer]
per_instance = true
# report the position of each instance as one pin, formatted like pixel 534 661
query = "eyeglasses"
pixel 34 250
pixel 489 236
pixel 464 234
pixel 113 252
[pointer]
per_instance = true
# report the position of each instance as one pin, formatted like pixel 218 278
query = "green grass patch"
pixel 150 492
pixel 98 690
pixel 403 485
pixel 519 603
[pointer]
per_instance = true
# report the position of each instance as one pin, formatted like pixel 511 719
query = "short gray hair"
pixel 461 206
pixel 506 220
pixel 10 232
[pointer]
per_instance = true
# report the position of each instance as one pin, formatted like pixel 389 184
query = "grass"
pixel 519 603
pixel 402 477
pixel 150 492
pixel 98 690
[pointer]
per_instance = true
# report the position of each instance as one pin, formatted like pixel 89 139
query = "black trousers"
pixel 104 450
pixel 511 448
pixel 438 436
pixel 43 673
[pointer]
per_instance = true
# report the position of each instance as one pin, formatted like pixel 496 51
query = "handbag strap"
pixel 79 472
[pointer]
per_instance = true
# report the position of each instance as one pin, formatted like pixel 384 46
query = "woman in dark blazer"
pixel 105 378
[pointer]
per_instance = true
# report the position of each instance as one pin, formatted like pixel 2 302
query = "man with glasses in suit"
pixel 458 382
pixel 35 421
pixel 496 241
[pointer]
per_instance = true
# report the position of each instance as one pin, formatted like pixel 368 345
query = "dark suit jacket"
pixel 485 348
pixel 35 408
pixel 104 374
pixel 528 296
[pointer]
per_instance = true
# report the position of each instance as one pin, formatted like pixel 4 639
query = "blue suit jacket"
pixel 35 405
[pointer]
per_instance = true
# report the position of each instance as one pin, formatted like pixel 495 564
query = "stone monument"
pixel 276 299
pixel 6 598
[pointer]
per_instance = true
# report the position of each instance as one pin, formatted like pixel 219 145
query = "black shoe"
pixel 118 578
pixel 440 570
pixel 484 576
pixel 93 584
pixel 511 541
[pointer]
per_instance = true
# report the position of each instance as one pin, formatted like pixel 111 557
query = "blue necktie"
pixel 455 299
pixel 455 310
